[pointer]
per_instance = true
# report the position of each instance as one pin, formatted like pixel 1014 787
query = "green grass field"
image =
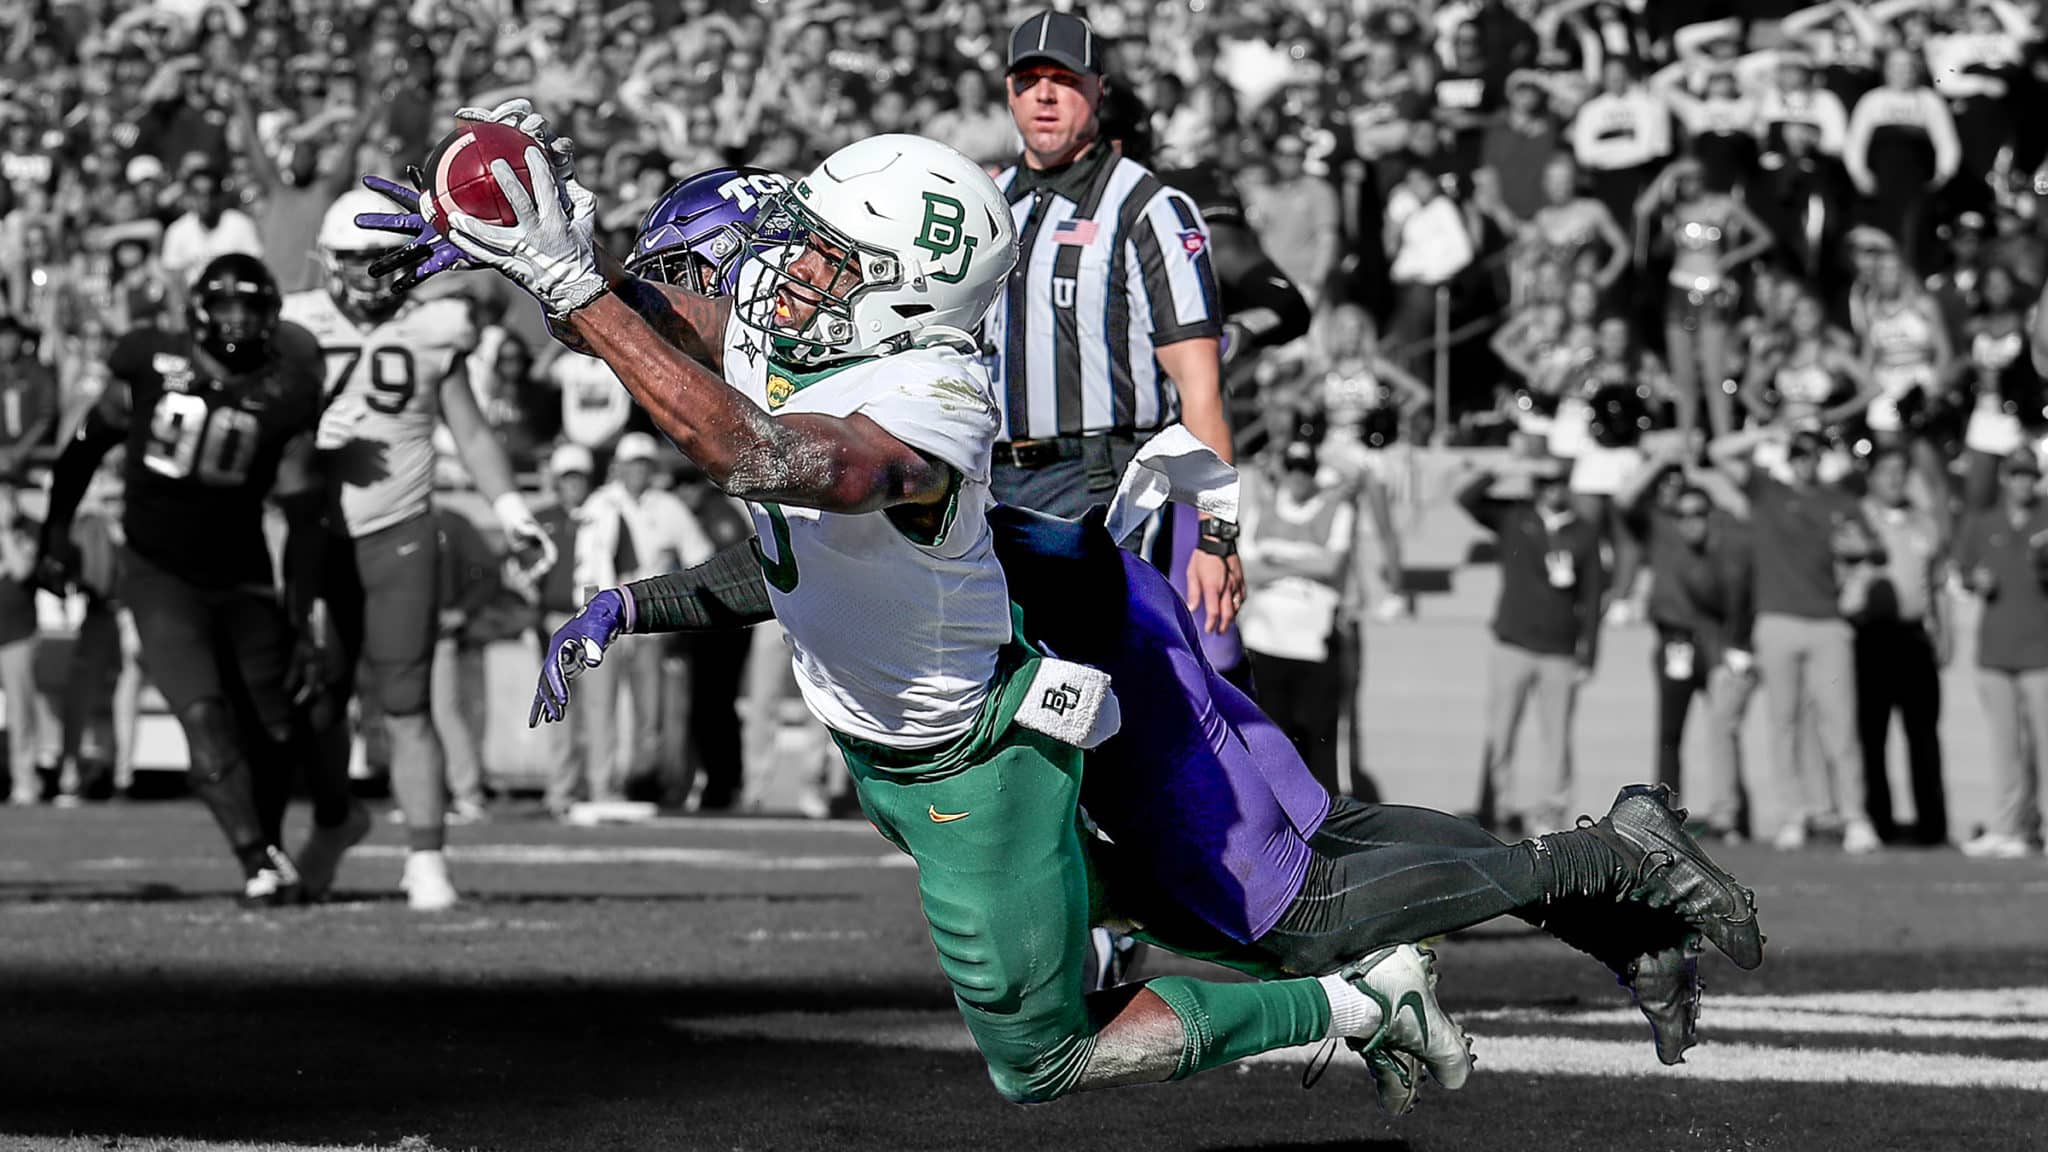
pixel 767 985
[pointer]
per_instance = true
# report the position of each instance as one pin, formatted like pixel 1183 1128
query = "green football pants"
pixel 1004 882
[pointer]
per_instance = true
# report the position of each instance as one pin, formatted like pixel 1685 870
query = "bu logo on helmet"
pixel 942 235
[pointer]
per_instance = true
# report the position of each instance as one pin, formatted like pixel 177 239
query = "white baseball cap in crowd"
pixel 568 458
pixel 636 446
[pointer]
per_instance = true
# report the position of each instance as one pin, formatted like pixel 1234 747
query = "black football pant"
pixel 1389 874
pixel 1896 670
pixel 219 657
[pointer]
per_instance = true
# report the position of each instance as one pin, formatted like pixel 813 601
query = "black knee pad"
pixel 211 740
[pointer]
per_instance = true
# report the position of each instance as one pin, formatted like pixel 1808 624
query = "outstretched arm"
pixel 723 592
pixel 847 465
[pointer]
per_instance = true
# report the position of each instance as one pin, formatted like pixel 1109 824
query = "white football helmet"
pixel 346 251
pixel 889 240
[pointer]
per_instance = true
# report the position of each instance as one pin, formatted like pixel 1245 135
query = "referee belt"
pixel 1029 454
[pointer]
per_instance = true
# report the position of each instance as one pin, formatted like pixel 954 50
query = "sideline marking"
pixel 1538 1055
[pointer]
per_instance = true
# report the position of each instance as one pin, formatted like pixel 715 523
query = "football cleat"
pixel 274 884
pixel 1666 988
pixel 1402 981
pixel 1673 871
pixel 320 857
pixel 426 884
pixel 1396 1077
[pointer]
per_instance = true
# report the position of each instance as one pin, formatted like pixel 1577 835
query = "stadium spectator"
pixel 1546 628
pixel 1295 217
pixel 1999 386
pixel 1712 237
pixel 595 406
pixel 2000 557
pixel 1296 540
pixel 1805 650
pixel 1900 149
pixel 1902 643
pixel 210 226
pixel 18 649
pixel 1700 605
pixel 1516 149
pixel 1619 136
pixel 315 164
pixel 976 124
pixel 28 402
pixel 592 548
pixel 664 537
pixel 1429 241
pixel 717 661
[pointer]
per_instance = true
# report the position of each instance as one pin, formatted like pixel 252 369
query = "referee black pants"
pixel 1064 488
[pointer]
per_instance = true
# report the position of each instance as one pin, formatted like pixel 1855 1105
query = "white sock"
pixel 1352 1013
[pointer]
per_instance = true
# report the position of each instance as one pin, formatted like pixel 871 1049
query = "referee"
pixel 1108 330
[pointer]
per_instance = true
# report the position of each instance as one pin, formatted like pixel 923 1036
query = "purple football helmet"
pixel 694 235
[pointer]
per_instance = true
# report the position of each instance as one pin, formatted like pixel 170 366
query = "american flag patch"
pixel 1075 232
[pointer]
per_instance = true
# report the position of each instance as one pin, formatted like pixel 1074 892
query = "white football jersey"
pixel 894 641
pixel 384 400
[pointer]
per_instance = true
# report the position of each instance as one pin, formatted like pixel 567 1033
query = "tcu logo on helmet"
pixel 747 191
pixel 942 234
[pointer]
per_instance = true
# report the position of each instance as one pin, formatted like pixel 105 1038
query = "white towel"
pixel 1172 466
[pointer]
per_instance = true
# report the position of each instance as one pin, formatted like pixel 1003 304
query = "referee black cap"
pixel 1056 38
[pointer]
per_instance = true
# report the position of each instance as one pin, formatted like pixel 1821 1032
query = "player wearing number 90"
pixel 215 419
pixel 395 368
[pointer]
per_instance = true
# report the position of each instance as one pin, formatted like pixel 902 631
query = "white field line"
pixel 726 859
pixel 745 860
pixel 1521 1055
pixel 2029 1003
pixel 1719 1015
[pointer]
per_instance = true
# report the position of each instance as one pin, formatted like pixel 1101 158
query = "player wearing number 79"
pixel 395 368
pixel 215 419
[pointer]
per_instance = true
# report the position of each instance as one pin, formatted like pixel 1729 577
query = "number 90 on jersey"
pixel 190 438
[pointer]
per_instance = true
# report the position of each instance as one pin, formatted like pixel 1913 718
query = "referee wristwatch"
pixel 1219 538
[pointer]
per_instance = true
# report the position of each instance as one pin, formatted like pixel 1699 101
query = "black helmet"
pixel 239 342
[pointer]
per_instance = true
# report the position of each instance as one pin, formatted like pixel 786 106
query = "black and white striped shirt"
pixel 1113 265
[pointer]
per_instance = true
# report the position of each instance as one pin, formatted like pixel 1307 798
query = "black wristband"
pixel 1217 545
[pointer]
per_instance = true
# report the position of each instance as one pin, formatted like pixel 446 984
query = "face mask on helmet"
pixel 707 264
pixel 350 282
pixel 234 329
pixel 811 277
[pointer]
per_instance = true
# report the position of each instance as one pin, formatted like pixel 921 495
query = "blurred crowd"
pixel 1796 240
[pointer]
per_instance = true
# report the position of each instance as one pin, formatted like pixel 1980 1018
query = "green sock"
pixel 1225 1022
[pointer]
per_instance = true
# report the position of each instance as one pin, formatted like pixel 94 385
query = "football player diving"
pixel 215 420
pixel 395 368
pixel 1249 892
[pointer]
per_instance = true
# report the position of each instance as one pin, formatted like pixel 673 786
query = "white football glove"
pixel 542 251
pixel 561 156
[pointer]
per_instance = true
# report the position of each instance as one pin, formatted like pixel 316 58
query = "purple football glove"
pixel 428 253
pixel 575 647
